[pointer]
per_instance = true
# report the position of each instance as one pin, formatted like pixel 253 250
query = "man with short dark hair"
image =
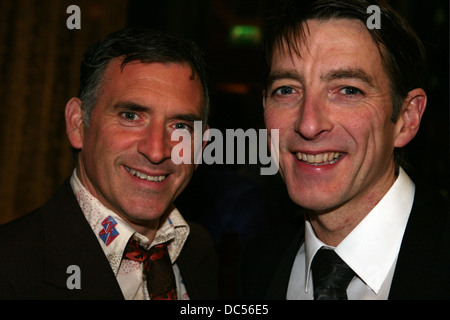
pixel 345 98
pixel 111 231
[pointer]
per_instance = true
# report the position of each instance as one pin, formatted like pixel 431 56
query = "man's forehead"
pixel 134 72
pixel 355 55
pixel 297 41
pixel 135 82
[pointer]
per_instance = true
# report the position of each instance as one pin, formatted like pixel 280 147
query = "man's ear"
pixel 74 123
pixel 409 119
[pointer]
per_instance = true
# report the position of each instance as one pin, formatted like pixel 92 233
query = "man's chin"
pixel 314 201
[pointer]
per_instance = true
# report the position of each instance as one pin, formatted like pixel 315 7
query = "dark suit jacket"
pixel 423 265
pixel 37 249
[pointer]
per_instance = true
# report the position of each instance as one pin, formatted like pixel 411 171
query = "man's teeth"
pixel 144 176
pixel 319 159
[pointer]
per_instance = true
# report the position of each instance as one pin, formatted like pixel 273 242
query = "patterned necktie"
pixel 157 269
pixel 331 276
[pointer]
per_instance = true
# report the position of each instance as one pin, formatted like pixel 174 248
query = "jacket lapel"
pixel 280 282
pixel 69 241
pixel 422 266
pixel 198 265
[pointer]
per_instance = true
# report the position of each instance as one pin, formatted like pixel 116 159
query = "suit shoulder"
pixel 199 234
pixel 21 241
pixel 429 197
pixel 430 212
pixel 23 230
pixel 425 249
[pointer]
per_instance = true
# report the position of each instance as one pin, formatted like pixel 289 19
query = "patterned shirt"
pixel 113 234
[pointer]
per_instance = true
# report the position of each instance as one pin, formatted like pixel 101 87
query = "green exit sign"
pixel 244 35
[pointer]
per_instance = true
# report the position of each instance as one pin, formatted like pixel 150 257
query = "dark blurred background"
pixel 39 61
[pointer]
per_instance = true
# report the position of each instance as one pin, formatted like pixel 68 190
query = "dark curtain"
pixel 39 61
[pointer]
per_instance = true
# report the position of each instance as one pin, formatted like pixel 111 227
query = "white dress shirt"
pixel 114 235
pixel 371 249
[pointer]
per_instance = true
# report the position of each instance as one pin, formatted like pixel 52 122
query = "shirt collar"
pixel 113 233
pixel 373 245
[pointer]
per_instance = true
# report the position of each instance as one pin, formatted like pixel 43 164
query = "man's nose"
pixel 313 119
pixel 155 143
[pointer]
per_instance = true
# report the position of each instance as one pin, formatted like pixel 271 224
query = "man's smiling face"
pixel 332 105
pixel 125 158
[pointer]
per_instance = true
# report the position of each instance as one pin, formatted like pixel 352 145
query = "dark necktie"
pixel 331 276
pixel 157 269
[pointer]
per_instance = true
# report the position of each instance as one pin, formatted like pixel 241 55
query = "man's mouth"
pixel 319 159
pixel 145 176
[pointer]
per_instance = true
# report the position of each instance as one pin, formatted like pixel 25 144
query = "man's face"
pixel 125 158
pixel 332 106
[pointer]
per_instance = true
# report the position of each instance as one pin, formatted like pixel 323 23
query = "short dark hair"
pixel 403 56
pixel 137 44
pixel 402 52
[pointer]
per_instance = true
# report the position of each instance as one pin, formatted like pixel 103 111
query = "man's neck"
pixel 333 226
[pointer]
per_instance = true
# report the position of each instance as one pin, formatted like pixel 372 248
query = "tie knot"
pixel 157 269
pixel 331 276
pixel 134 251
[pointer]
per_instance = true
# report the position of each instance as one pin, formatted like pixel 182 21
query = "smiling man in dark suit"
pixel 345 98
pixel 111 231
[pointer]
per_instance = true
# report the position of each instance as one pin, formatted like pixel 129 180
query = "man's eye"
pixel 130 116
pixel 350 91
pixel 182 126
pixel 284 90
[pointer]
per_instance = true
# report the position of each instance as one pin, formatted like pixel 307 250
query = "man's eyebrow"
pixel 285 74
pixel 357 74
pixel 130 106
pixel 191 117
